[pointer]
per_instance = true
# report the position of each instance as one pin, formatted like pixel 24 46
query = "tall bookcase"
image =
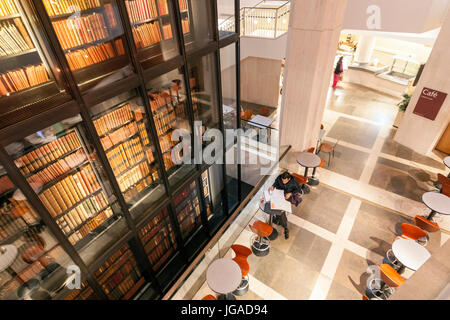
pixel 87 163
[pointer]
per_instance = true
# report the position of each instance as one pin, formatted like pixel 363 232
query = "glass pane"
pixel 158 239
pixel 196 22
pixel 213 191
pixel 226 18
pixel 119 275
pixel 202 79
pixel 62 168
pixel 168 103
pixel 228 77
pixel 25 75
pixel 32 263
pixel 122 126
pixel 187 210
pixel 152 30
pixel 92 37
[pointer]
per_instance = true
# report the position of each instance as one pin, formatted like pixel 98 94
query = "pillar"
pixel 419 133
pixel 364 49
pixel 313 36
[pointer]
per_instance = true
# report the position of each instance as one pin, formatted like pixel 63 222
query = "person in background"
pixel 338 72
pixel 291 190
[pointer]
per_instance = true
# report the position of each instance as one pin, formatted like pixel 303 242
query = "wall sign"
pixel 429 103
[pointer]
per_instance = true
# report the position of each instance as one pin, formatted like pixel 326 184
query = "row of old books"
pixel 57 7
pixel 167 158
pixel 22 78
pixel 58 168
pixel 146 34
pixel 89 226
pixel 113 119
pixel 112 263
pixel 81 213
pixel 141 10
pixel 7 8
pixel 144 136
pixel 183 5
pixel 5 184
pixel 185 25
pixel 94 54
pixel 125 155
pixel 159 100
pixel 84 293
pixel 132 193
pixel 80 31
pixel 123 281
pixel 133 176
pixel 14 37
pixel 164 120
pixel 49 152
pixel 166 143
pixel 167 31
pixel 119 135
pixel 157 246
pixel 69 191
pixel 152 227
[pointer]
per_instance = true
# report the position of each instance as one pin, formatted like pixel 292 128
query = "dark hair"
pixel 285 175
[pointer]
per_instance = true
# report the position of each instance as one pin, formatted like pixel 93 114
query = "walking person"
pixel 291 190
pixel 338 72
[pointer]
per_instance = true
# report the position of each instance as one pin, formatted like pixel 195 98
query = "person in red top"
pixel 338 72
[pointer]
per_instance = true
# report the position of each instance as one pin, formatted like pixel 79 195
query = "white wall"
pixel 264 48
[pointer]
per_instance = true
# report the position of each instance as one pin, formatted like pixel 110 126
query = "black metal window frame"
pixel 40 117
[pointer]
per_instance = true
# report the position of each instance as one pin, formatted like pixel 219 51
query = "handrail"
pixel 259 21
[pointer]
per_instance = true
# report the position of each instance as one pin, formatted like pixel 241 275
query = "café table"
pixel 437 202
pixel 309 160
pixel 411 254
pixel 447 164
pixel 265 207
pixel 8 254
pixel 224 276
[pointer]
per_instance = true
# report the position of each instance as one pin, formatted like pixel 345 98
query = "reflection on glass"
pixel 92 37
pixel 202 78
pixel 152 30
pixel 121 124
pixel 213 188
pixel 226 19
pixel 84 293
pixel 158 239
pixel 196 23
pixel 187 210
pixel 168 104
pixel 228 77
pixel 119 275
pixel 32 264
pixel 63 171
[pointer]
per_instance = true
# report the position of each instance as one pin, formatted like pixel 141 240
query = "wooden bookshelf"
pixel 187 209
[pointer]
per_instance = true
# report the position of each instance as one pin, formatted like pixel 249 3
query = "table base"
pixel 260 249
pixel 227 296
pixel 313 181
pixel 242 289
pixel 431 215
pixel 273 235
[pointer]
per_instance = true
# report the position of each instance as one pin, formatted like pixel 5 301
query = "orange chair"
pixel 364 297
pixel 209 297
pixel 412 232
pixel 446 189
pixel 260 241
pixel 391 277
pixel 248 114
pixel 264 111
pixel 425 224
pixel 301 180
pixel 311 149
pixel 328 148
pixel 242 252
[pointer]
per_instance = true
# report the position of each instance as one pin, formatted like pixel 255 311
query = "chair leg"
pixel 329 158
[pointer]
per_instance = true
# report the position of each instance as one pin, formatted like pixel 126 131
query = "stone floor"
pixel 347 223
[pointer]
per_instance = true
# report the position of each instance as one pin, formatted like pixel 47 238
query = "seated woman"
pixel 291 190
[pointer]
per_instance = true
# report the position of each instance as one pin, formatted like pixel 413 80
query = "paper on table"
pixel 278 202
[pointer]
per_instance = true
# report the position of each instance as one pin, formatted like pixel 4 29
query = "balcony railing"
pixel 261 22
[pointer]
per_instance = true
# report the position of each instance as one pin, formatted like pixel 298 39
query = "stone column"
pixel 364 49
pixel 313 36
pixel 414 131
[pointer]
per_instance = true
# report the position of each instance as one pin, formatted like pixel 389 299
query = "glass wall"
pixel 226 18
pixel 197 23
pixel 32 262
pixel 123 128
pixel 228 80
pixel 214 194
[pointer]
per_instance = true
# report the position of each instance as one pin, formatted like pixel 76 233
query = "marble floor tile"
pixel 356 132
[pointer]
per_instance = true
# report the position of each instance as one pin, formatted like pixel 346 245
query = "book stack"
pixel 158 239
pixel 141 10
pixel 168 163
pixel 7 8
pixel 185 25
pixel 110 15
pixel 144 135
pixel 147 34
pixel 125 155
pixel 118 135
pixel 20 79
pixel 80 31
pixel 113 119
pixel 164 120
pixel 183 5
pixel 48 153
pixel 119 276
pixel 167 31
pixel 159 100
pixel 65 194
pixel 188 214
pixel 166 143
pixel 84 293
pixel 162 7
pixel 85 57
pixel 119 47
pixel 58 168
pixel 57 7
pixel 134 176
pixel 14 38
pixel 90 225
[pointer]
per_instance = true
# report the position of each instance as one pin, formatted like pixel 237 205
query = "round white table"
pixel 8 254
pixel 411 254
pixel 224 276
pixel 309 160
pixel 447 161
pixel 437 202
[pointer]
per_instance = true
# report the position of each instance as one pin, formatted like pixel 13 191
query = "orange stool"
pixel 209 297
pixel 242 252
pixel 260 241
pixel 301 180
pixel 425 224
